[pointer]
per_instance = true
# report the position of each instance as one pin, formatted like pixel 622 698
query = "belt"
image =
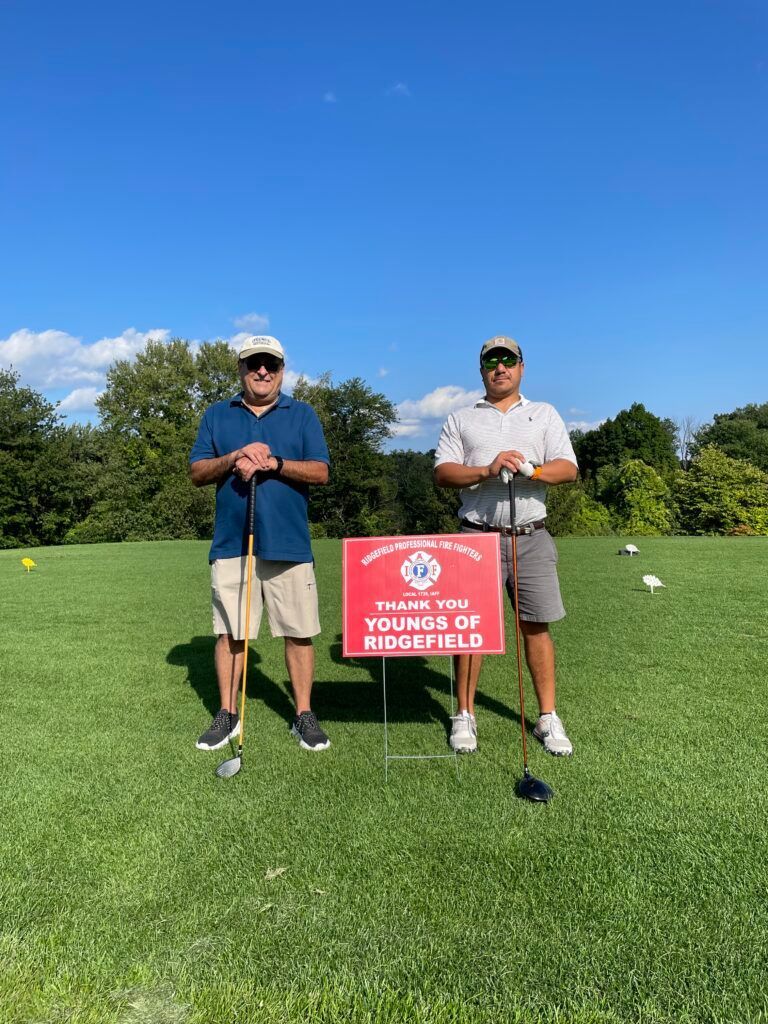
pixel 519 531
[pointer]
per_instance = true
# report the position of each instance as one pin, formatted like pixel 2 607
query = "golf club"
pixel 529 787
pixel 232 766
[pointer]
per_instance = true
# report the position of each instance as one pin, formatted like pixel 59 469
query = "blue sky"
pixel 382 187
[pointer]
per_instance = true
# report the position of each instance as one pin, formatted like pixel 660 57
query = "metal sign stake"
pixel 413 757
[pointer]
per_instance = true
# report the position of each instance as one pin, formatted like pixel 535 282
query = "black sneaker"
pixel 308 732
pixel 223 728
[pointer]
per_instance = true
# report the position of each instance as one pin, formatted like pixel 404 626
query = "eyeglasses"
pixel 270 363
pixel 491 362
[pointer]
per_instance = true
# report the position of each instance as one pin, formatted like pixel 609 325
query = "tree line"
pixel 126 477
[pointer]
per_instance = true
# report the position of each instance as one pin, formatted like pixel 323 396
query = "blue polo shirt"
pixel 292 430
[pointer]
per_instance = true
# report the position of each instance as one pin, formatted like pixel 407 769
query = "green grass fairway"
pixel 137 888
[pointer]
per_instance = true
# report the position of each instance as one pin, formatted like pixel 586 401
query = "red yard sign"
pixel 408 596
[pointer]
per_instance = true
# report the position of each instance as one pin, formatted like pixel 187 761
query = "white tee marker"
pixel 652 581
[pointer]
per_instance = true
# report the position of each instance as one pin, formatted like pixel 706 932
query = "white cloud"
pixel 398 89
pixel 236 340
pixel 53 361
pixel 291 376
pixel 127 345
pixel 382 371
pixel 584 425
pixel 329 97
pixel 407 428
pixel 438 403
pixel 252 323
pixel 49 358
pixel 424 416
pixel 80 400
pixel 33 353
pixel 70 374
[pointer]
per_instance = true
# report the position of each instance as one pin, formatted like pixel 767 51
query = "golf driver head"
pixel 230 767
pixel 533 789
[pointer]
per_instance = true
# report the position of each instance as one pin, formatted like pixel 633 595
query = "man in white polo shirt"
pixel 504 429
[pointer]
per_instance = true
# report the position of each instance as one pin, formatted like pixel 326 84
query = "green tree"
pixel 358 500
pixel 151 396
pixel 572 512
pixel 741 434
pixel 216 375
pixel 641 504
pixel 42 488
pixel 150 413
pixel 420 506
pixel 719 494
pixel 635 433
pixel 74 457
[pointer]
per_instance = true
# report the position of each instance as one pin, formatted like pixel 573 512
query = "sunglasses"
pixel 491 362
pixel 270 363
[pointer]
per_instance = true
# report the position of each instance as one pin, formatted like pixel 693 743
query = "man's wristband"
pixel 536 473
pixel 279 467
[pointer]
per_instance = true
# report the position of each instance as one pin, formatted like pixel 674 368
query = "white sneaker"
pixel 464 733
pixel 551 732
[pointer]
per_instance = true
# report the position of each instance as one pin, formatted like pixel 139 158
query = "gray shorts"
pixel 538 587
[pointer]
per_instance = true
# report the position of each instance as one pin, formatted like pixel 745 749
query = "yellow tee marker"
pixel 28 564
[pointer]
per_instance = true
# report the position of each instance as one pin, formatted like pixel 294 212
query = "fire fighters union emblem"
pixel 420 570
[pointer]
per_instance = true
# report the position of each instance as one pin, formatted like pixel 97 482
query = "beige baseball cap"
pixel 261 344
pixel 501 341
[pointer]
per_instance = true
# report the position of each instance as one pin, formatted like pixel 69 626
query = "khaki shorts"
pixel 288 589
pixel 538 587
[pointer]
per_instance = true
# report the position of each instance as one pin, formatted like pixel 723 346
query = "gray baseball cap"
pixel 501 341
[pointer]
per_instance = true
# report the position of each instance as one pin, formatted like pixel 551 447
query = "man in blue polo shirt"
pixel 262 431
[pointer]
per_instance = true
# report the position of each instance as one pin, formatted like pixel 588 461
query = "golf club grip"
pixel 252 504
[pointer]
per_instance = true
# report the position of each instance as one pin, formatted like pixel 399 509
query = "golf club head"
pixel 229 768
pixel 533 789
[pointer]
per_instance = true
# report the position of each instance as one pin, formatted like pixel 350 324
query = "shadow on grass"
pixel 416 692
pixel 411 688
pixel 197 657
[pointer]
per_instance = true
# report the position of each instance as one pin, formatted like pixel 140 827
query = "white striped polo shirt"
pixel 475 436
